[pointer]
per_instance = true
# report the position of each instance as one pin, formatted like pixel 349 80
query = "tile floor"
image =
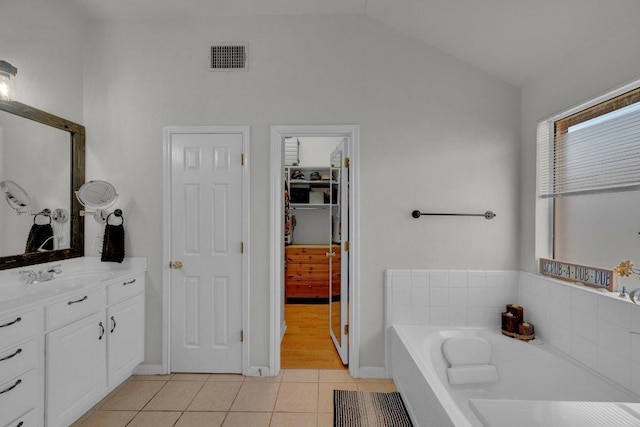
pixel 297 397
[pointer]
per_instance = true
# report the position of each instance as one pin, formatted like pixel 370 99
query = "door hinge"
pixel 346 329
pixel 346 162
pixel 241 336
pixel 346 246
pixel 241 247
pixel 242 159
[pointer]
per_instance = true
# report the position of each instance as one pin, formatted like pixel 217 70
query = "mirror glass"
pixel 15 196
pixel 41 157
pixel 336 239
pixel 97 194
pixel 36 157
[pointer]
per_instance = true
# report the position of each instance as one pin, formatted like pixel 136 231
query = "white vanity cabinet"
pixel 20 369
pixel 125 321
pixel 75 355
pixel 94 340
pixel 66 343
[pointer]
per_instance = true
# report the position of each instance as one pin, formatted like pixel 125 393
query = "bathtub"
pixel 527 373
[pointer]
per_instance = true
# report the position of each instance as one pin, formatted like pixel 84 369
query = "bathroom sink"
pixel 75 280
pixel 86 276
pixel 60 284
pixel 11 292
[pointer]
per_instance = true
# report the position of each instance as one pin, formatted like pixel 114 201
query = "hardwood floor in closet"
pixel 307 344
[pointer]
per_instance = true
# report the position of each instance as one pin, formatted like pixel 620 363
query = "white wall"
pixel 316 151
pixel 44 41
pixel 601 67
pixel 436 134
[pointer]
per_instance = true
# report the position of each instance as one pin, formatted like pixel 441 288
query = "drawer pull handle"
pixel 17 352
pixel 78 300
pixel 12 387
pixel 113 328
pixel 128 283
pixel 11 323
pixel 101 331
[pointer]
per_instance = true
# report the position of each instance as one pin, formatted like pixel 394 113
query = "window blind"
pixel 595 150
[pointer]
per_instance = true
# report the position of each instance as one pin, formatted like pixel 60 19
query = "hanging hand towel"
pixel 40 237
pixel 113 242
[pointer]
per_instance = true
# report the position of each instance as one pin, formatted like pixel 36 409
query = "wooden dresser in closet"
pixel 307 271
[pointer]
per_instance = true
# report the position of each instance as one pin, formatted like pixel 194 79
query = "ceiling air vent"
pixel 228 57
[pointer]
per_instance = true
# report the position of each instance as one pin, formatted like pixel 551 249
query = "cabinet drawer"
pixel 17 396
pixel 17 327
pixel 17 359
pixel 26 420
pixel 124 289
pixel 74 307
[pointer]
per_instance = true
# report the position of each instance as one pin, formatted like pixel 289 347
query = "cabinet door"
pixel 125 343
pixel 75 369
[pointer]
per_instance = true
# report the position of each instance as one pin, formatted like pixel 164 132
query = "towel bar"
pixel 486 215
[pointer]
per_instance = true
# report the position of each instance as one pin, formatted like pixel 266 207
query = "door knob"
pixel 176 265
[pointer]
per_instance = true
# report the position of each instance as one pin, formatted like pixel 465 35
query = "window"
pixel 589 168
pixel 594 150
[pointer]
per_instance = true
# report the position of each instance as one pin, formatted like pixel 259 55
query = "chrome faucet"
pixel 30 275
pixel 42 275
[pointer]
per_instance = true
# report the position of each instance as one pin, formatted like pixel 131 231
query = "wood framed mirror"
pixel 45 154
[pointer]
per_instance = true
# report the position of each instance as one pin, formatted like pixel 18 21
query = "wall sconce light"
pixel 7 81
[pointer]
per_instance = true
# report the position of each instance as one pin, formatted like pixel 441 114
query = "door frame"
pixel 276 239
pixel 168 132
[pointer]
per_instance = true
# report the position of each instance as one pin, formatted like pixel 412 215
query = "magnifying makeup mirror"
pixel 16 196
pixel 98 196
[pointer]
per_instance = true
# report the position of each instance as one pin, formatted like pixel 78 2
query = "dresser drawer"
pixel 17 327
pixel 17 396
pixel 17 359
pixel 307 290
pixel 74 307
pixel 125 289
pixel 27 420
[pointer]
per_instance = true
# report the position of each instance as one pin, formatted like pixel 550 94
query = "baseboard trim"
pixel 371 372
pixel 259 371
pixel 148 369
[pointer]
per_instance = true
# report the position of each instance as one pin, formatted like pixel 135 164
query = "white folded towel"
pixel 472 374
pixel 467 351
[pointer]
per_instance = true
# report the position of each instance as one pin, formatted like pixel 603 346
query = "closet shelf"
pixel 311 205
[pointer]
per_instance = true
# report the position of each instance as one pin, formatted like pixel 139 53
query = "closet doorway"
pixel 314 255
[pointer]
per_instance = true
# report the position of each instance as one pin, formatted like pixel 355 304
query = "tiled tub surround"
pixel 419 370
pixel 599 330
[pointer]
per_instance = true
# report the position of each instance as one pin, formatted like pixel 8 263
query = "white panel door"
pixel 206 238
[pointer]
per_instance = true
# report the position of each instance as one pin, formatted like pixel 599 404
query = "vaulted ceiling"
pixel 515 40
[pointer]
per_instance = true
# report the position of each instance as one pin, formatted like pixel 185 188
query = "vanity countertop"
pixel 77 274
